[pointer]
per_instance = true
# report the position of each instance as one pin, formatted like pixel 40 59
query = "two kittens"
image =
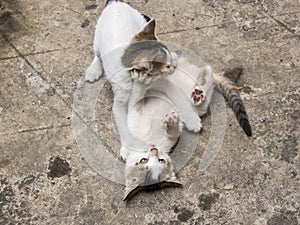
pixel 156 93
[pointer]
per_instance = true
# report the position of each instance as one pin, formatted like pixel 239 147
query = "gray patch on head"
pixel 137 48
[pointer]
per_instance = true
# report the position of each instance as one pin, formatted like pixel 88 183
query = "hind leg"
pixel 198 95
pixel 95 70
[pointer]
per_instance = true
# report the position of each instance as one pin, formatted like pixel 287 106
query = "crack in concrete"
pixel 279 22
pixel 40 74
pixel 33 53
pixel 282 24
pixel 55 92
pixel 29 130
pixel 190 29
pixel 21 55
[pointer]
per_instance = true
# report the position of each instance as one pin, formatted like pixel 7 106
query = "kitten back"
pixel 110 1
pixel 232 95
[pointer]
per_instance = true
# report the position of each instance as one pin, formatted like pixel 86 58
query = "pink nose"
pixel 154 151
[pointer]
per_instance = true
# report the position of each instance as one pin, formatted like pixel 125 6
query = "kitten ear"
pixel 131 192
pixel 171 183
pixel 147 34
pixel 132 187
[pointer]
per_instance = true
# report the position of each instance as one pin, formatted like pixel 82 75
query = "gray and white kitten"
pixel 155 120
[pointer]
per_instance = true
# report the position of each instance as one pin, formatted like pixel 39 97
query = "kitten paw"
pixel 198 96
pixel 171 119
pixel 140 76
pixel 193 125
pixel 94 71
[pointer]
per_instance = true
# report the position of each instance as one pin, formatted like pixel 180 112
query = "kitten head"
pixel 149 171
pixel 147 54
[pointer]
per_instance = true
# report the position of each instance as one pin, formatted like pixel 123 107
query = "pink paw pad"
pixel 197 96
pixel 171 119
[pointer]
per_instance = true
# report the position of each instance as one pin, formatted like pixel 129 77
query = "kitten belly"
pixel 145 120
pixel 184 80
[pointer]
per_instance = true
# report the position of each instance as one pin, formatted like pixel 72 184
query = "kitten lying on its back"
pixel 155 120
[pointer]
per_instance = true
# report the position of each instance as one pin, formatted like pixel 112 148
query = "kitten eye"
pixel 162 161
pixel 144 160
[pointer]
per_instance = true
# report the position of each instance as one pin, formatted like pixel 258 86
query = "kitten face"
pixel 151 57
pixel 147 54
pixel 163 61
pixel 150 170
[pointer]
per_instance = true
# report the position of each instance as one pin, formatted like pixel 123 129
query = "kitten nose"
pixel 154 151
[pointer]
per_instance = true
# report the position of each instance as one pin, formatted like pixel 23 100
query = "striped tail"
pixel 232 96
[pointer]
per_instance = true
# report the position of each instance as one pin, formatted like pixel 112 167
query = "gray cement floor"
pixel 45 46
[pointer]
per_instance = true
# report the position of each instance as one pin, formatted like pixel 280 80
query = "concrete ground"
pixel 45 46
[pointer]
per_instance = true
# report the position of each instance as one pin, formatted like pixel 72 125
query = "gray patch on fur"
pixel 137 48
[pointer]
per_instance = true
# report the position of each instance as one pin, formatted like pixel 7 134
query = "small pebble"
pixel 262 120
pixel 228 187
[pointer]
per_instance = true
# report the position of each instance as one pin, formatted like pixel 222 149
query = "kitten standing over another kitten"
pixel 122 30
pixel 134 67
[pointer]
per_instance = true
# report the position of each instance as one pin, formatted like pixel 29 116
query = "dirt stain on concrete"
pixel 58 167
pixel 206 201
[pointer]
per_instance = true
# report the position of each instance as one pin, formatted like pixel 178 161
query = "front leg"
pixel 95 70
pixel 173 125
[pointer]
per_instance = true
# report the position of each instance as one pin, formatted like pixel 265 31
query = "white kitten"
pixel 119 48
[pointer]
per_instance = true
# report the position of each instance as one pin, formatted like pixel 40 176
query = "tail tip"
pixel 247 129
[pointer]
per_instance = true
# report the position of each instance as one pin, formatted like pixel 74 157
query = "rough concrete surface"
pixel 45 47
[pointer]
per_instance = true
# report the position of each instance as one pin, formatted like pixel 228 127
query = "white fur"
pixel 145 120
pixel 116 27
